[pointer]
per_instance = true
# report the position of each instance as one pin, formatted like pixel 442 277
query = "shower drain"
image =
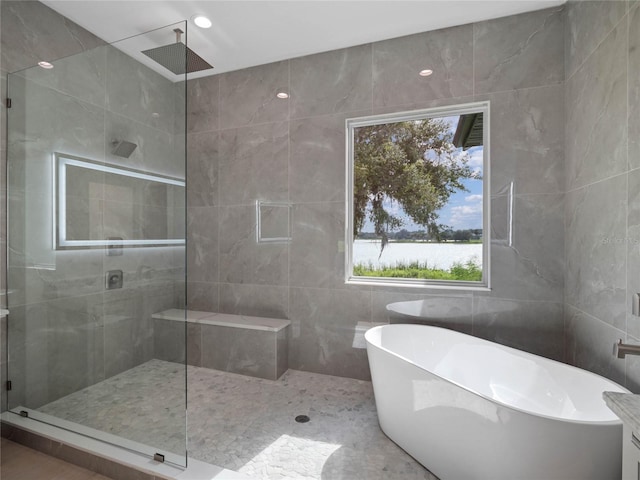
pixel 302 419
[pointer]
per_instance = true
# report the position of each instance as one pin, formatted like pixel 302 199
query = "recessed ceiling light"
pixel 282 95
pixel 46 65
pixel 202 21
pixel 426 72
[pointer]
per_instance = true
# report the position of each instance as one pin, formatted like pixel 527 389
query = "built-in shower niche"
pixel 273 222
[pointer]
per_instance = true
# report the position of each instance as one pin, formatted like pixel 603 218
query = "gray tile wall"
pixel 299 157
pixel 602 211
pixel 66 331
pixel 247 145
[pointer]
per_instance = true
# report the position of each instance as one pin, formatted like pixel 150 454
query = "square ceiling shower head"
pixel 176 56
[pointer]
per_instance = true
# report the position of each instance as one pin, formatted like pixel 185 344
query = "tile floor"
pixel 247 424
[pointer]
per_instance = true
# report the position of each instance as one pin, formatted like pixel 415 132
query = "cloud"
pixel 466 216
pixel 476 158
pixel 473 198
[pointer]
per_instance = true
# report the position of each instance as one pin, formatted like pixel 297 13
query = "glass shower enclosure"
pixel 96 162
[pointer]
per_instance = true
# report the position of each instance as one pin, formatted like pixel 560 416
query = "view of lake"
pixel 437 255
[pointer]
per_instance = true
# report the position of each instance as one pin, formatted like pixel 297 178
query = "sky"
pixel 464 209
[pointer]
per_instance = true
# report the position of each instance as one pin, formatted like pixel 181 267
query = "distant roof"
pixel 470 131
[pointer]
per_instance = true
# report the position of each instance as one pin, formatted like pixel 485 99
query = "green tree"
pixel 462 235
pixel 413 163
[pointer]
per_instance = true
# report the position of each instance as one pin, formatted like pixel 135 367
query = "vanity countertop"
pixel 626 406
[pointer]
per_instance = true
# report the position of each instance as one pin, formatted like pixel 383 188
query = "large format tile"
pixel 632 244
pixel 323 331
pixel 169 340
pixel 238 350
pixel 203 104
pixel 242 258
pixel 56 349
pixel 527 253
pixel 154 154
pixel 396 63
pixel 202 169
pixel 535 327
pixel 331 82
pixel 590 343
pixel 248 96
pixel 38 274
pixel 32 32
pixel 68 125
pixel 27 355
pixel 253 164
pixel 317 259
pixel 76 357
pixel 128 330
pixel 82 75
pixel 596 250
pixel 527 140
pixel 633 96
pixel 202 244
pixel 632 362
pixel 317 162
pixel 519 51
pixel 202 296
pixel 596 106
pixel 255 300
pixel 137 92
pixel 586 25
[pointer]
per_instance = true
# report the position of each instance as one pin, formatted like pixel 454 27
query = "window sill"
pixel 407 283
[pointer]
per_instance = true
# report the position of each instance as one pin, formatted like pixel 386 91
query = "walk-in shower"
pixel 96 206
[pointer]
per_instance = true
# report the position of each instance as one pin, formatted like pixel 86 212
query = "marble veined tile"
pixel 247 424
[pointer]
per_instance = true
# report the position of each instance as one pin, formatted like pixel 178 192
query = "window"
pixel 418 198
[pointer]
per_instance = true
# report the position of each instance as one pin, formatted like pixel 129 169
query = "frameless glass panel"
pixel 96 172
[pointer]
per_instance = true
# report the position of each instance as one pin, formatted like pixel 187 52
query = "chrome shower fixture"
pixel 177 57
pixel 122 148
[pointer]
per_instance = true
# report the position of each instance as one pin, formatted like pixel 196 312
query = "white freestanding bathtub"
pixel 467 408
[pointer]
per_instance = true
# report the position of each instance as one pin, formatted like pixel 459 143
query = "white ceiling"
pixel 248 33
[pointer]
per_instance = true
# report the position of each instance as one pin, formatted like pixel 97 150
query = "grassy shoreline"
pixel 445 242
pixel 469 271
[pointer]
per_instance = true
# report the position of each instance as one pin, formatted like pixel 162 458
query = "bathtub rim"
pixel 613 422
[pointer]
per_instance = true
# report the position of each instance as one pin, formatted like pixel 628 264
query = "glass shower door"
pixel 96 207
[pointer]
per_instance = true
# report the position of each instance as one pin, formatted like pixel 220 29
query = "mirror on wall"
pixel 100 205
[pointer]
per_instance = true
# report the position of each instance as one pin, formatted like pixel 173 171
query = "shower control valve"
pixel 114 279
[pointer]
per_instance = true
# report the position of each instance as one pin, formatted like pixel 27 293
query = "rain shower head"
pixel 177 57
pixel 123 149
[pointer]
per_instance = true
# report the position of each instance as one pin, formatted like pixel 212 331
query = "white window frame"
pixel 445 111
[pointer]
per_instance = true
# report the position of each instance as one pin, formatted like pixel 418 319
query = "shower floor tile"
pixel 247 424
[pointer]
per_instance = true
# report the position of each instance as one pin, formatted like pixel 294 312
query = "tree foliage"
pixel 413 163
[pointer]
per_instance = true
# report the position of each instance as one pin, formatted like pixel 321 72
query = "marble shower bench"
pixel 255 346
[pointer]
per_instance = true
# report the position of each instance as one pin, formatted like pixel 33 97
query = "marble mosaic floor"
pixel 247 424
